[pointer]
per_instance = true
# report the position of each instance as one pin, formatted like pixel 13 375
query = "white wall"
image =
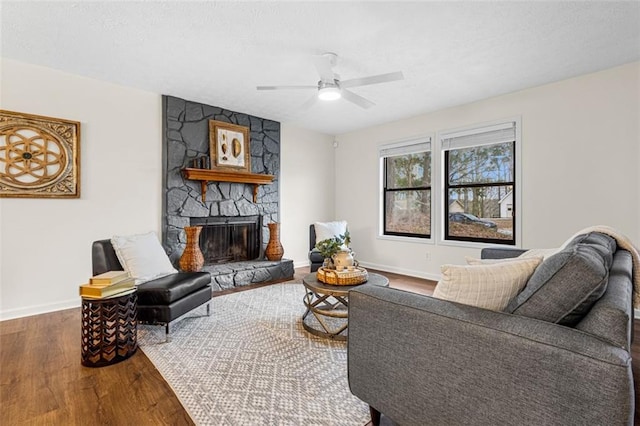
pixel 580 149
pixel 46 243
pixel 578 135
pixel 306 187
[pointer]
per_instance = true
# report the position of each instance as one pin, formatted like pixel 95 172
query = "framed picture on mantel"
pixel 229 146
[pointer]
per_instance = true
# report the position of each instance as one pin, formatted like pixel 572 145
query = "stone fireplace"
pixel 228 207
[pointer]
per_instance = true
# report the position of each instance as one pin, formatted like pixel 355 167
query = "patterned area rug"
pixel 252 363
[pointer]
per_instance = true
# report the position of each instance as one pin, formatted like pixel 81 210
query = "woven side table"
pixel 109 329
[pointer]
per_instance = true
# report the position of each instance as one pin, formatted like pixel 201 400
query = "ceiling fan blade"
pixel 374 79
pixel 309 103
pixel 323 65
pixel 285 87
pixel 357 99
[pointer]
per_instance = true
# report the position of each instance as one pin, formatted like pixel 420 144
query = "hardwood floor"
pixel 43 383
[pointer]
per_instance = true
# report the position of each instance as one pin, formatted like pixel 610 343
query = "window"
pixel 406 189
pixel 480 184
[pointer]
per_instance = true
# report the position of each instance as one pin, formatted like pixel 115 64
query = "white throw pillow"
pixel 142 256
pixel 488 286
pixel 326 230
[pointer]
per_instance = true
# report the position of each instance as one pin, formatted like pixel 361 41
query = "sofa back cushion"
pixel 611 317
pixel 601 242
pixel 566 285
pixel 103 257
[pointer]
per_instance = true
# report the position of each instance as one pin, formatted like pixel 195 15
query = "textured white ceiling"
pixel 216 53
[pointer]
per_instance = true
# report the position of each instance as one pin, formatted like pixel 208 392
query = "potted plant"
pixel 331 247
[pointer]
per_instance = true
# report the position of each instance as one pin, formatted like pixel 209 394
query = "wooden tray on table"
pixel 346 277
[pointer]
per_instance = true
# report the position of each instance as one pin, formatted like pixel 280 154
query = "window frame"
pixel 443 224
pixel 383 190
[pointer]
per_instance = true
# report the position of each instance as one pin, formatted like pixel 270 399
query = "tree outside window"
pixel 480 187
pixel 407 195
pixel 477 187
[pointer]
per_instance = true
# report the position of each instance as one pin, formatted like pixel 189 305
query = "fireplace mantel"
pixel 209 175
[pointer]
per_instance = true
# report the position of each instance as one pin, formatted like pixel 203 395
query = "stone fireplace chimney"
pixel 185 138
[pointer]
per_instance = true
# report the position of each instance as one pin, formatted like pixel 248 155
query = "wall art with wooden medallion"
pixel 39 156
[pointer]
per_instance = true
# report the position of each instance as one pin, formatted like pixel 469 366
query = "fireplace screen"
pixel 229 239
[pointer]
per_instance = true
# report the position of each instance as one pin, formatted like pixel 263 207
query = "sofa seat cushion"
pixel 315 256
pixel 168 289
pixel 566 285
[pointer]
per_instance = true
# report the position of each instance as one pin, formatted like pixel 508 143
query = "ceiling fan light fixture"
pixel 330 93
pixel 329 90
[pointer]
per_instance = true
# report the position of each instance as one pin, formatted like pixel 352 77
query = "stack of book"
pixel 109 284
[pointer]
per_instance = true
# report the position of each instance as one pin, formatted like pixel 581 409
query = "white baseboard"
pixel 402 271
pixel 636 314
pixel 38 309
pixel 301 264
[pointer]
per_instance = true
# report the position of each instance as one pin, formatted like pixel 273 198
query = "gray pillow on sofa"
pixel 605 244
pixel 566 285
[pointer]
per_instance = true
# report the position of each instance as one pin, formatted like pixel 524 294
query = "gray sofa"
pixel 422 361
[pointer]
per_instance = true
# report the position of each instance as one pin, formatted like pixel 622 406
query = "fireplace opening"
pixel 229 239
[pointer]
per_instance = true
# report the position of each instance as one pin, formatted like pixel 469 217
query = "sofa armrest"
pixel 421 360
pixel 501 252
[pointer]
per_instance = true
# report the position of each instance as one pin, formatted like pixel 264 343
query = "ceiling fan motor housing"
pixel 325 84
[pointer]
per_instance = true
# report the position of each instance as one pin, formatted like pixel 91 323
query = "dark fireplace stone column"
pixel 186 137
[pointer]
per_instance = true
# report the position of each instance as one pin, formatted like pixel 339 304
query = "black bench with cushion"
pixel 164 299
pixel 323 230
pixel 315 258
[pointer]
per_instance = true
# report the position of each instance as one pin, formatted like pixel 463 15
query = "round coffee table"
pixel 329 305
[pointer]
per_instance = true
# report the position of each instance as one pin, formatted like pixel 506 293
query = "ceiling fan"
pixel 331 88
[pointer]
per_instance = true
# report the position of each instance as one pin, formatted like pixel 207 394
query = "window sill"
pixel 406 239
pixel 472 244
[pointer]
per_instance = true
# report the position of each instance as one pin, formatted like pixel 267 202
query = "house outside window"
pixel 480 185
pixel 406 189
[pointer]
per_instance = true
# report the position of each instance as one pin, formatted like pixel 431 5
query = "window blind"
pixel 410 147
pixel 500 133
